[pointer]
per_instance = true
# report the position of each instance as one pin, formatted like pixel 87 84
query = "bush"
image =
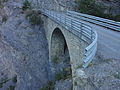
pixel 11 88
pixel 92 8
pixel 14 79
pixel 117 75
pixel 49 86
pixel 117 18
pixel 3 82
pixel 26 5
pixel 64 74
pixel 89 7
pixel 59 76
pixel 56 59
pixel 34 17
pixel 1 4
pixel 4 19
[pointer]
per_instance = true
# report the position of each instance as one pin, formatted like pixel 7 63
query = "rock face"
pixel 26 54
pixel 111 6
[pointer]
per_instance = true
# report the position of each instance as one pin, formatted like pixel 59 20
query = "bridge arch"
pixel 59 52
pixel 59 45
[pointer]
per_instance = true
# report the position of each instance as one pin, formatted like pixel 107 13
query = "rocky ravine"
pixel 26 54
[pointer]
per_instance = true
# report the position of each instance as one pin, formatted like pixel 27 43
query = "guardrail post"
pixel 60 18
pixel 56 16
pixel 71 24
pixel 81 29
pixel 91 35
pixel 65 19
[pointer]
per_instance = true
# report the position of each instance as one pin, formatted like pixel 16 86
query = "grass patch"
pixel 49 86
pixel 26 5
pixel 11 88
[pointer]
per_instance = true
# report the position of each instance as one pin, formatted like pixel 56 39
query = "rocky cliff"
pixel 25 53
pixel 111 6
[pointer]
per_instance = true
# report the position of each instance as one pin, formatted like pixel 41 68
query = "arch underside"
pixel 59 52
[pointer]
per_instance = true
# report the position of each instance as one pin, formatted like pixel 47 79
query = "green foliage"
pixel 5 0
pixel 1 3
pixel 11 88
pixel 117 75
pixel 34 17
pixel 92 8
pixel 49 86
pixel 14 79
pixel 4 18
pixel 89 7
pixel 117 18
pixel 64 74
pixel 108 60
pixel 26 5
pixel 3 82
pixel 56 59
pixel 59 76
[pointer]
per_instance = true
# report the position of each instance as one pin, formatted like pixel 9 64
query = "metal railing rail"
pixel 81 30
pixel 96 20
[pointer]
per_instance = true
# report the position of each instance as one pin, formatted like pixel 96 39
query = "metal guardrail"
pixel 96 20
pixel 78 28
pixel 81 30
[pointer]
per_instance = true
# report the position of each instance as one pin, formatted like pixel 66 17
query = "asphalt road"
pixel 108 42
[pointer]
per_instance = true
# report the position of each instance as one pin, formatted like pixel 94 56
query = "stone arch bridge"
pixel 65 31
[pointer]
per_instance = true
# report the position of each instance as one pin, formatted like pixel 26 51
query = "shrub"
pixel 117 18
pixel 26 5
pixel 1 4
pixel 49 86
pixel 4 19
pixel 56 59
pixel 117 75
pixel 64 74
pixel 34 17
pixel 59 76
pixel 11 88
pixel 3 82
pixel 89 7
pixel 93 8
pixel 14 79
